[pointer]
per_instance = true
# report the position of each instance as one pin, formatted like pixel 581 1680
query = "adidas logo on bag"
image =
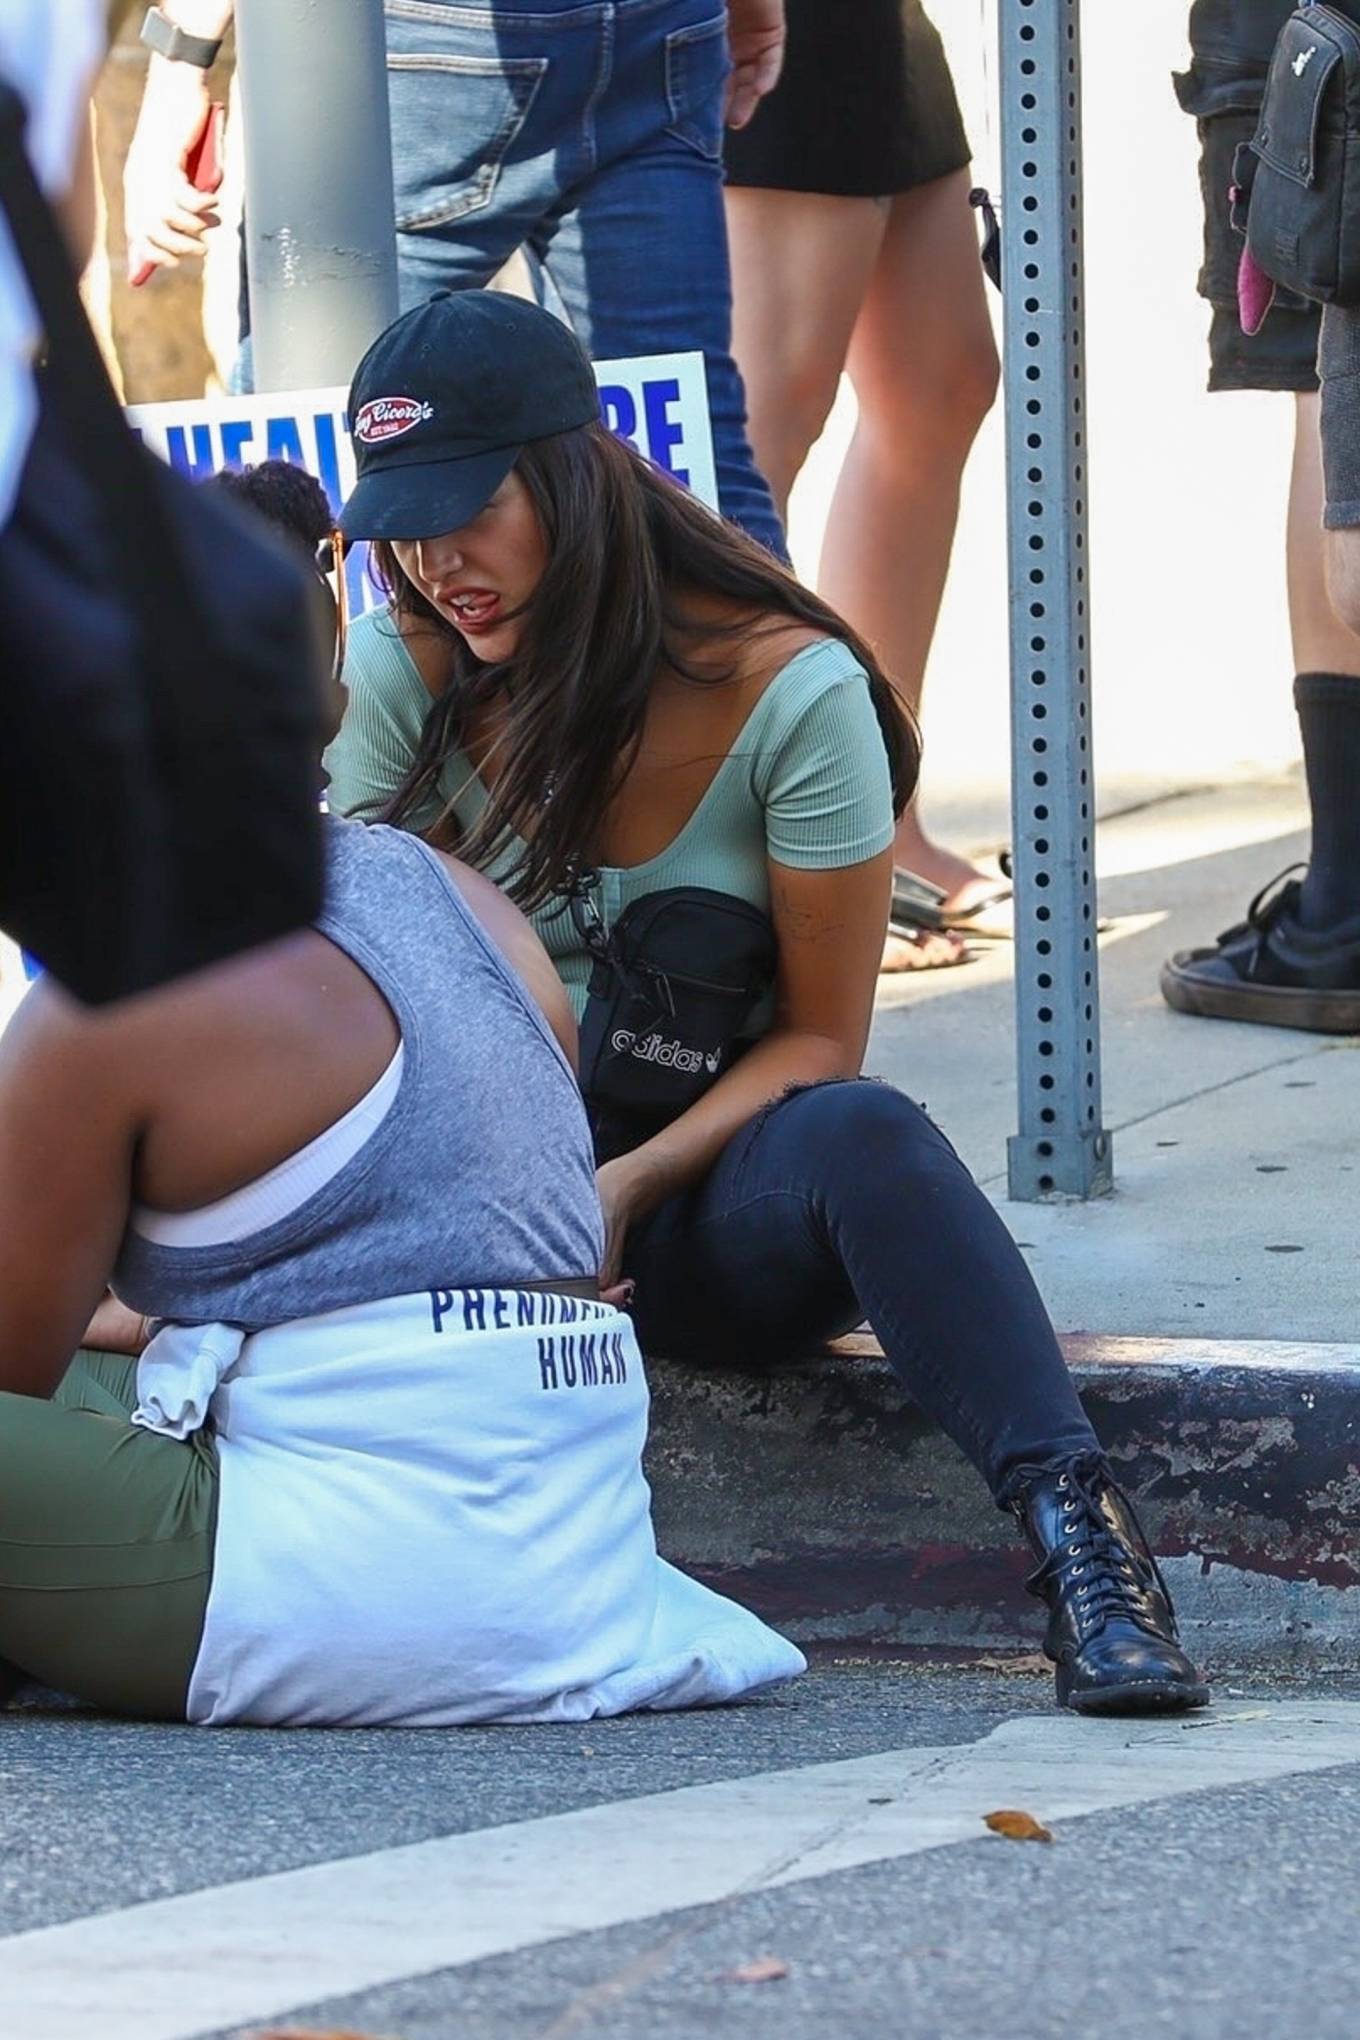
pixel 668 1055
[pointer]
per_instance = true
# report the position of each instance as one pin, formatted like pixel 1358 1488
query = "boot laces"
pixel 1106 1577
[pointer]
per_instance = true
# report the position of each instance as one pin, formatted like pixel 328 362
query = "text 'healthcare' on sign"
pixel 658 403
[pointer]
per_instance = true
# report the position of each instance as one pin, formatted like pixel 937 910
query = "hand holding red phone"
pixel 168 189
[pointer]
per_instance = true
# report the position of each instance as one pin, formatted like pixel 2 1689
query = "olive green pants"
pixel 106 1543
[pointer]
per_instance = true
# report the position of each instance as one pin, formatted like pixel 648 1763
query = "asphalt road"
pixel 1202 1880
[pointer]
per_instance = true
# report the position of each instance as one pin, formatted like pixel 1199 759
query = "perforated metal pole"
pixel 321 250
pixel 1062 1148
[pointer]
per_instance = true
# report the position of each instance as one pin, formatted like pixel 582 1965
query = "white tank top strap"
pixel 283 1189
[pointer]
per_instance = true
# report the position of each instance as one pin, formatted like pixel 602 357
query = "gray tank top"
pixel 482 1170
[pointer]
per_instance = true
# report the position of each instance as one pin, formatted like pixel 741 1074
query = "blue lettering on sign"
pixel 663 434
pixel 619 412
pixel 283 441
pixel 237 434
pixel 200 464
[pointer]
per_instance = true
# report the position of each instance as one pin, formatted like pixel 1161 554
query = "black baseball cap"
pixel 445 399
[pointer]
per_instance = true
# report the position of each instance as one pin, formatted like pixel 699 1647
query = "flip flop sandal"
pixel 916 903
pixel 918 937
pixel 990 918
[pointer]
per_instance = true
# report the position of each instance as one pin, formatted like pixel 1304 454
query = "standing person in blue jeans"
pixel 588 134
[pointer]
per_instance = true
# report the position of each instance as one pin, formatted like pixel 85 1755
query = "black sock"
pixel 1328 705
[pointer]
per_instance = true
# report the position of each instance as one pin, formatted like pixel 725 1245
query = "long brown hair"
pixel 625 544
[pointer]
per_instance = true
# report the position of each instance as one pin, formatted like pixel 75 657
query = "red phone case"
pixel 203 168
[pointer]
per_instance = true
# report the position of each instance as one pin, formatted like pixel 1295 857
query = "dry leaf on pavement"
pixel 1016 1826
pixel 765 1969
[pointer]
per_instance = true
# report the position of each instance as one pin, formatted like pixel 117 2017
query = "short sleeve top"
pixel 806 783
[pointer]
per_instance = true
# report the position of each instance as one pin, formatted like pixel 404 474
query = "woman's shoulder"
pixel 379 661
pixel 787 669
pixel 374 652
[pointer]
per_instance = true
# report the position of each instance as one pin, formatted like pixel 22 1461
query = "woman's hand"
pixel 166 218
pixel 116 1329
pixel 630 1187
pixel 616 1189
pixel 755 35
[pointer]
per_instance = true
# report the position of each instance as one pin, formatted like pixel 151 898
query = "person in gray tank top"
pixel 358 1439
pixel 174 1106
pixel 346 1183
pixel 481 1170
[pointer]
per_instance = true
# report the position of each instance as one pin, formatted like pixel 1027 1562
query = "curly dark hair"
pixel 626 547
pixel 289 498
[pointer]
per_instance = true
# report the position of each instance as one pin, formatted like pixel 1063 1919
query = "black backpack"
pixel 1297 182
pixel 161 681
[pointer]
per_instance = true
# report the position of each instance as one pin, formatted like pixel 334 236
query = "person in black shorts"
pixel 1295 960
pixel 853 247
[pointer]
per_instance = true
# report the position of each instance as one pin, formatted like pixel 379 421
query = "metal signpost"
pixel 321 250
pixel 1062 1148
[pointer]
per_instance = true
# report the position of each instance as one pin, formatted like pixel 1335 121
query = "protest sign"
pixel 658 403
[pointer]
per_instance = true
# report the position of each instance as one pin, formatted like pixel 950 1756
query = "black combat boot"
pixel 1111 1630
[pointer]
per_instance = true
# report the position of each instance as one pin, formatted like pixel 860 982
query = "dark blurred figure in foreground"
pixel 161 698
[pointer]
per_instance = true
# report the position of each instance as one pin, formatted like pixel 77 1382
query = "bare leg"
pixel 801 265
pixel 924 366
pixel 1323 567
pixel 1279 966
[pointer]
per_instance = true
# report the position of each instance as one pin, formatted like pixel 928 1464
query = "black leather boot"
pixel 1111 1630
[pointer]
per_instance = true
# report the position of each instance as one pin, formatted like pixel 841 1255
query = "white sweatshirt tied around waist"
pixel 432 1511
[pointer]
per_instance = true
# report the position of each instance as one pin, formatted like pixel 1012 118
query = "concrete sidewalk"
pixel 1237 1149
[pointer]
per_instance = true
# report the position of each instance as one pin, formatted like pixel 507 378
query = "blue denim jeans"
pixel 590 134
pixel 844 1201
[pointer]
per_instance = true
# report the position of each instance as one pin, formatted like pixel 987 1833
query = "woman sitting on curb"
pixel 686 768
pixel 381 1462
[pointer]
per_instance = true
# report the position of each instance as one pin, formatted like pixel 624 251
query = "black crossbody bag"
pixel 1296 184
pixel 674 985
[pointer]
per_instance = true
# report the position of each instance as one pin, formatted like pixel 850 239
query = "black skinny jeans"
pixel 844 1201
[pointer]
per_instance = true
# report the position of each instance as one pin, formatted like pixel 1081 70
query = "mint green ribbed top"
pixel 805 784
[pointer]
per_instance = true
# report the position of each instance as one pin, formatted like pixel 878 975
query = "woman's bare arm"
pixel 65 1168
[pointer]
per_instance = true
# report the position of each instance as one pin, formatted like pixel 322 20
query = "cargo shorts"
pixel 1230 46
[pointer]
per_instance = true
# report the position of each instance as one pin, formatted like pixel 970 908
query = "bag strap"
pixel 102 443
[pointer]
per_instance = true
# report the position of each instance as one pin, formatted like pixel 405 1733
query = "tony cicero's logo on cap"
pixel 384 418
